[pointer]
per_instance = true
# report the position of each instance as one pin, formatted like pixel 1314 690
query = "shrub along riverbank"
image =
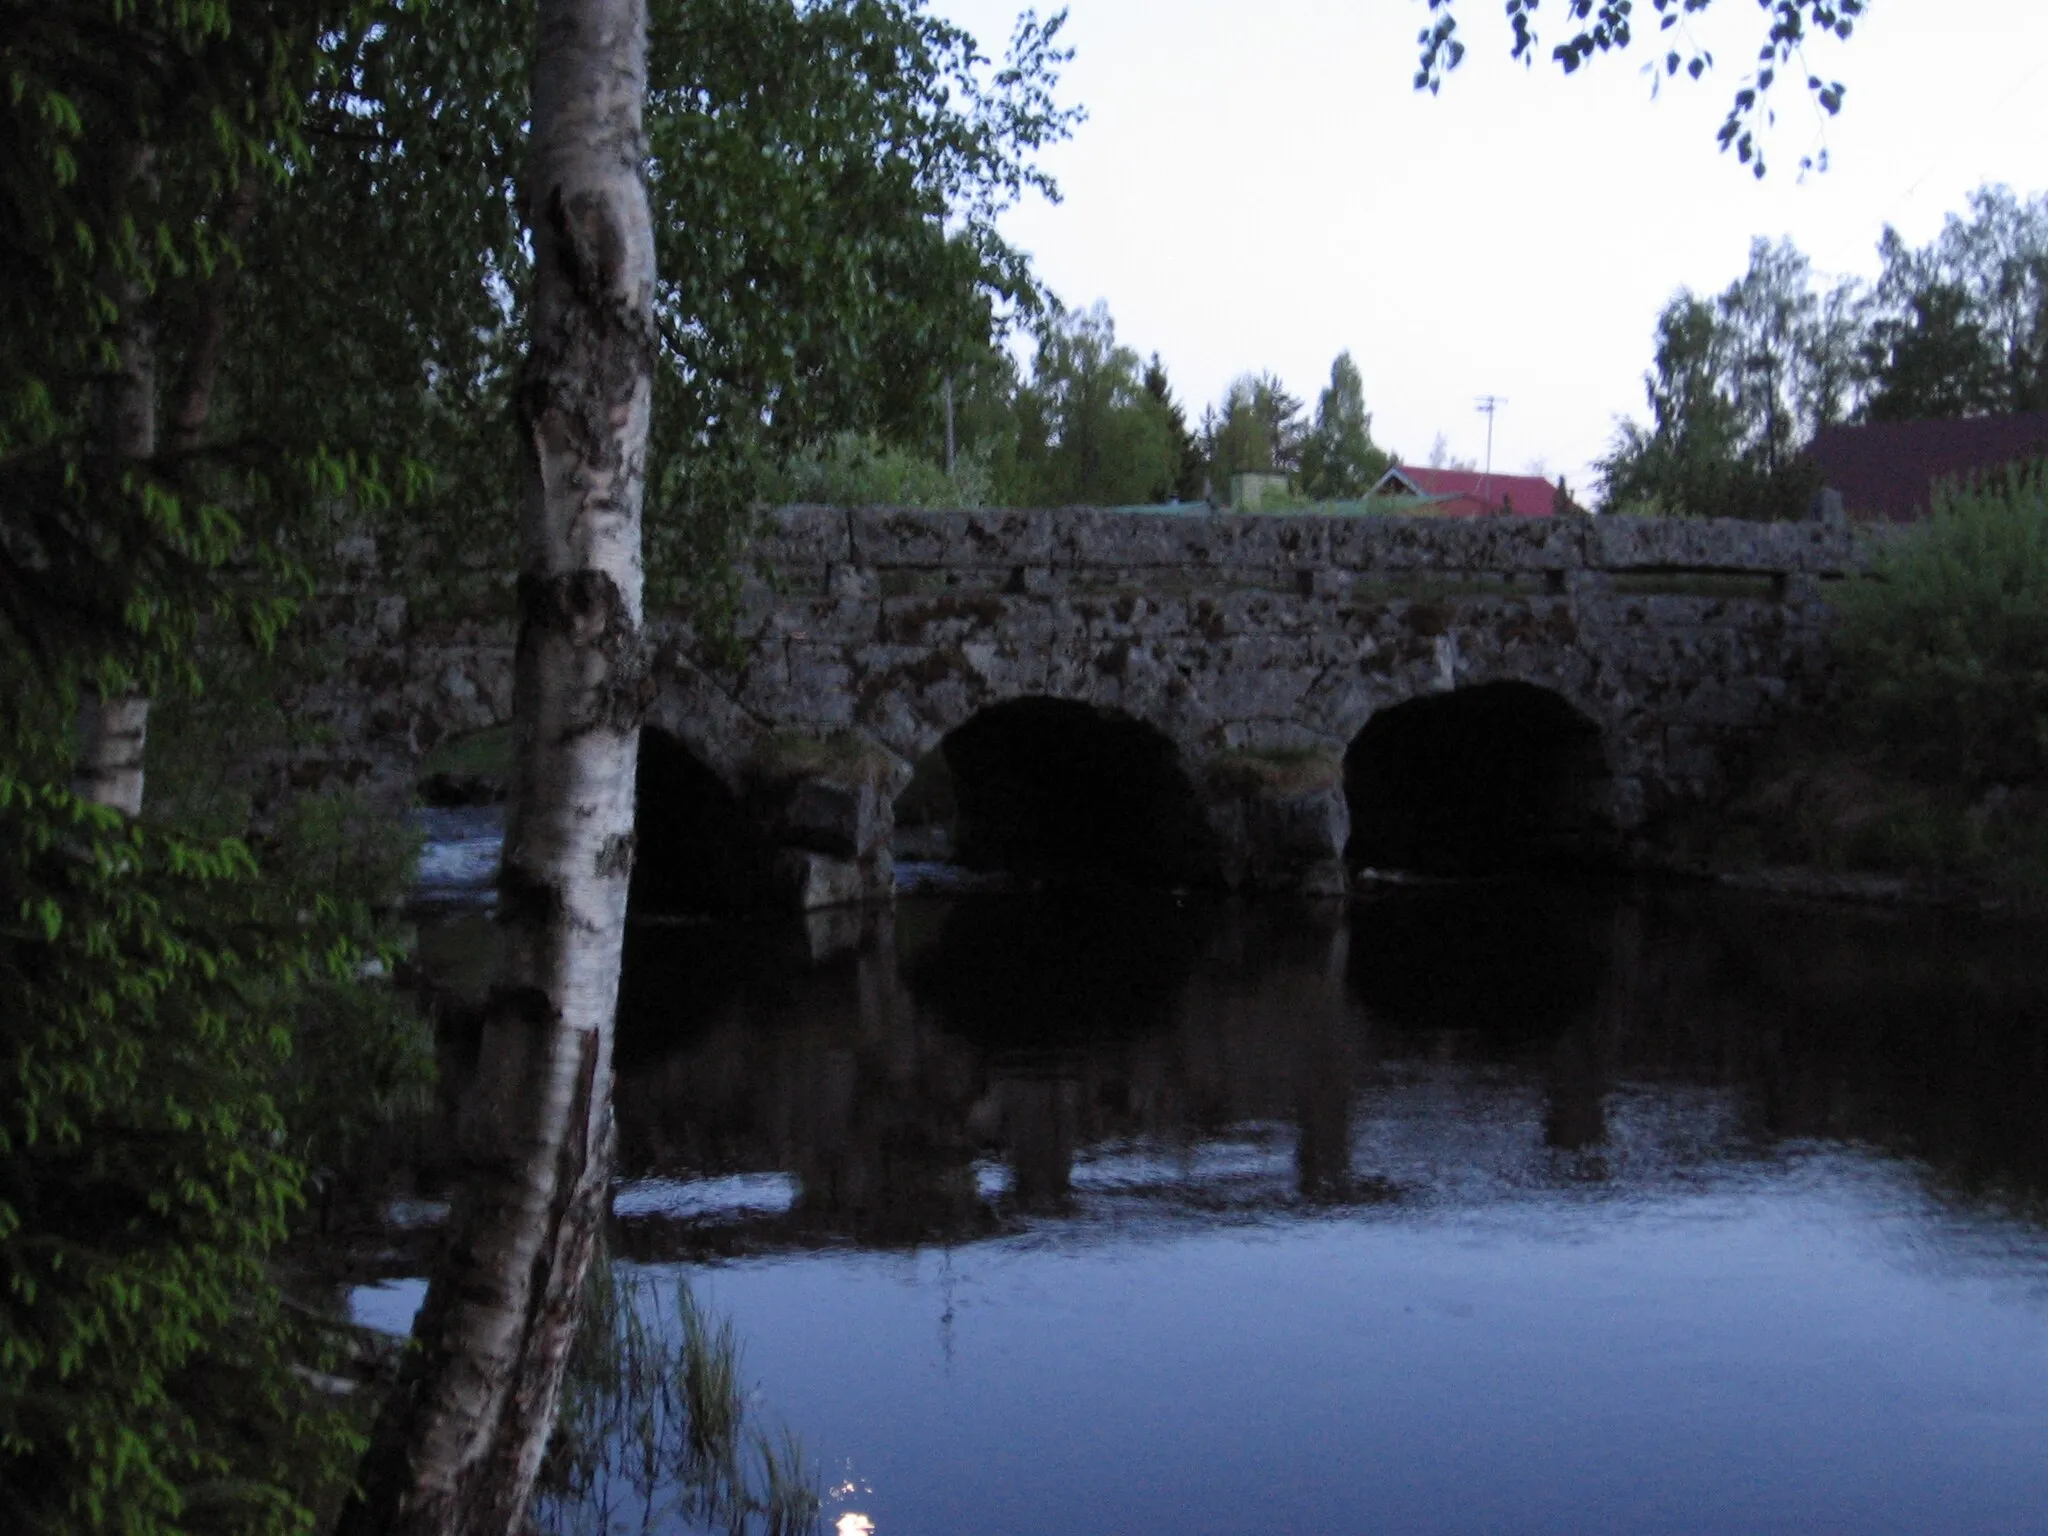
pixel 1932 762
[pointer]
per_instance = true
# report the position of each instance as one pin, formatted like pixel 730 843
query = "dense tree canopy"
pixel 1744 380
pixel 128 144
pixel 827 178
pixel 1257 427
pixel 1960 326
pixel 1089 431
pixel 1339 460
pixel 151 982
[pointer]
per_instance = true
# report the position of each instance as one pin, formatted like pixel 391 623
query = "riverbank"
pixel 1850 825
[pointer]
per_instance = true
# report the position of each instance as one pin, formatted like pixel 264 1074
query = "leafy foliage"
pixel 1744 380
pixel 1258 427
pixel 1959 327
pixel 830 177
pixel 1947 649
pixel 1339 460
pixel 1089 431
pixel 826 181
pixel 129 136
pixel 855 469
pixel 173 1013
pixel 1741 383
pixel 146 986
pixel 1606 26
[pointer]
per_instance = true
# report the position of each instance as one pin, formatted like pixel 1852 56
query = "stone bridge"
pixel 1256 700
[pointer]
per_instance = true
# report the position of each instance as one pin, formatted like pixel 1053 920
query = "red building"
pixel 1473 493
pixel 1887 469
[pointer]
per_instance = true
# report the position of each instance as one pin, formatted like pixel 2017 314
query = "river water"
pixel 1481 1208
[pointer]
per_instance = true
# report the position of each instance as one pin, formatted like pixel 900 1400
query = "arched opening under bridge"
pixel 697 849
pixel 1049 789
pixel 1488 779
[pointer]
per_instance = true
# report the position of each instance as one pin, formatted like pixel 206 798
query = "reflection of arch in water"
pixel 1098 964
pixel 1047 786
pixel 1504 775
pixel 1508 968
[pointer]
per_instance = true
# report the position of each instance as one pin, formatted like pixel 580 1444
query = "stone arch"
pixel 1051 787
pixel 1494 776
pixel 911 706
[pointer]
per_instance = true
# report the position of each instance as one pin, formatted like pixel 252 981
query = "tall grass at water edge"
pixel 655 1433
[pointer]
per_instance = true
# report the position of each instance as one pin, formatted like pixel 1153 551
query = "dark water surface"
pixel 1491 1208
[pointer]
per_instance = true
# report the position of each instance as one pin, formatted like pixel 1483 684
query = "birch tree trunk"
pixel 113 729
pixel 460 1445
pixel 113 732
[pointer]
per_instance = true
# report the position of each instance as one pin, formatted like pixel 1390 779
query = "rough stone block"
pixel 1003 540
pixel 1284 842
pixel 841 817
pixel 1721 544
pixel 804 538
pixel 949 620
pixel 813 882
pixel 1410 544
pixel 1088 539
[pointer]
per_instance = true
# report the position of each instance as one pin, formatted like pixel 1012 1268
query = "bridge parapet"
pixel 811 540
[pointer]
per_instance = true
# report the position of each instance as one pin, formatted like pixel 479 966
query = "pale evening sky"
pixel 1257 186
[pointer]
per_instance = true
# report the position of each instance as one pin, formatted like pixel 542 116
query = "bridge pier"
pixel 825 807
pixel 1281 821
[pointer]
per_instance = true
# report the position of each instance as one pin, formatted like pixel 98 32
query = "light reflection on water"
pixel 1507 1209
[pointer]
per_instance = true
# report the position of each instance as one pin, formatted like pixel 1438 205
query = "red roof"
pixel 1884 469
pixel 1470 493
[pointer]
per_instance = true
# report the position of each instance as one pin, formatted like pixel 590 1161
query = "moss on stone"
pixel 844 756
pixel 1274 774
pixel 485 752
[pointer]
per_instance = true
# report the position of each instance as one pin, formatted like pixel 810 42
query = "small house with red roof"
pixel 1887 470
pixel 1473 493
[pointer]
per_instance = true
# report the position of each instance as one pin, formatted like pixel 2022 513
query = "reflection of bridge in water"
pixel 992 1062
pixel 1216 698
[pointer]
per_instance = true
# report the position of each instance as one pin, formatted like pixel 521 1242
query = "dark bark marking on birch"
pixel 525 900
pixel 630 693
pixel 587 606
pixel 575 378
pixel 541 1335
pixel 593 248
pixel 615 857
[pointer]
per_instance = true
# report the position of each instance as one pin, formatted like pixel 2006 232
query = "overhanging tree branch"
pixel 1607 26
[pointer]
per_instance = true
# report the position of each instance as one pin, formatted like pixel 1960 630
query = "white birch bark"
pixel 459 1449
pixel 112 735
pixel 113 730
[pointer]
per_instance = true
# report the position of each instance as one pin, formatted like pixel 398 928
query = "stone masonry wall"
pixel 1230 633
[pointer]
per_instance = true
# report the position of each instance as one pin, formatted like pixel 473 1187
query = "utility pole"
pixel 1488 405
